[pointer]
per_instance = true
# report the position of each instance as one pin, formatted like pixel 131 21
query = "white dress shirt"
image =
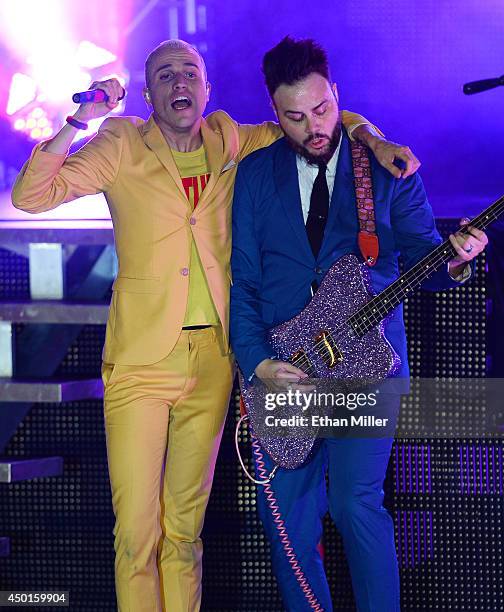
pixel 307 173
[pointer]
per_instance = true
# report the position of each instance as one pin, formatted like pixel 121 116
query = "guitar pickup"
pixel 327 349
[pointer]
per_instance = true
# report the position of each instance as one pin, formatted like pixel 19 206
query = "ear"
pixel 273 106
pixel 146 96
pixel 208 90
pixel 335 92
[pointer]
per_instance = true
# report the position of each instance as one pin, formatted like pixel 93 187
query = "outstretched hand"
pixel 387 151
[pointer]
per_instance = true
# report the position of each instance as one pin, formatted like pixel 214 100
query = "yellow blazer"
pixel 131 163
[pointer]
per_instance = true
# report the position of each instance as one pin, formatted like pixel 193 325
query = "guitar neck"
pixel 381 305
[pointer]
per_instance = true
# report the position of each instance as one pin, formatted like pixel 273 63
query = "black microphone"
pixel 477 86
pixel 92 95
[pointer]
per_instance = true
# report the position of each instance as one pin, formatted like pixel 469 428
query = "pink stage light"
pixel 91 56
pixel 59 48
pixel 35 123
pixel 22 91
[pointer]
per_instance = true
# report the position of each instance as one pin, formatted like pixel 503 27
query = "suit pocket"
pixel 229 166
pixel 107 372
pixel 137 285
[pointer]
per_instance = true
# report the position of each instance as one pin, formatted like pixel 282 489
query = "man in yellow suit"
pixel 167 367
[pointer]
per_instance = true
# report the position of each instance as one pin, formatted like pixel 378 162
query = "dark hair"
pixel 293 60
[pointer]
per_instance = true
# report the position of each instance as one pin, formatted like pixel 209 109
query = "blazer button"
pixel 184 271
pixel 318 270
pixel 192 221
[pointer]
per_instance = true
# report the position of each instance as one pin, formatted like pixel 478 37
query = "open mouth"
pixel 181 103
pixel 318 143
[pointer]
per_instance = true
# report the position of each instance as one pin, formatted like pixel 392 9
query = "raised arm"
pixel 253 137
pixel 50 178
pixel 385 151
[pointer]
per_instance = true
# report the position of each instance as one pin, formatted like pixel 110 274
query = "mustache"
pixel 315 136
pixel 302 149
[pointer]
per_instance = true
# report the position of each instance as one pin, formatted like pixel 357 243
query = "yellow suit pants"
pixel 163 426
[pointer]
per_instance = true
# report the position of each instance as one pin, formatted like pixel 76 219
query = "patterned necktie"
pixel 319 210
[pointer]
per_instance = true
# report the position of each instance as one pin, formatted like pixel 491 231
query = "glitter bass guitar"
pixel 340 335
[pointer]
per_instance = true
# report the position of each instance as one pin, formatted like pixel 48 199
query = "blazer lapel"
pixel 287 185
pixel 343 190
pixel 214 149
pixel 156 142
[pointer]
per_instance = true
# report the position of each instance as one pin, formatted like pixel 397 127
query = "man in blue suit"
pixel 294 215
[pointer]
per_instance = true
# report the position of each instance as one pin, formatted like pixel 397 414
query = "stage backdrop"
pixel 402 64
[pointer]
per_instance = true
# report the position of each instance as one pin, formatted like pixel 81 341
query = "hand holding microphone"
pixel 92 95
pixel 102 97
pixel 101 103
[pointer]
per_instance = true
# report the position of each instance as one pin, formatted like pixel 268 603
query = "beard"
pixel 325 156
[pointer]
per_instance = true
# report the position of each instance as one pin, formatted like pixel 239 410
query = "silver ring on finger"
pixel 469 250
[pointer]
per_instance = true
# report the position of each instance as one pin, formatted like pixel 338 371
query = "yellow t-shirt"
pixel 193 170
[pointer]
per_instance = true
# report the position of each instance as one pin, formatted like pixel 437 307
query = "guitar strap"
pixel 367 238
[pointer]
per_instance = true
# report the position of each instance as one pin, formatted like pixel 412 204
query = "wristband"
pixel 80 125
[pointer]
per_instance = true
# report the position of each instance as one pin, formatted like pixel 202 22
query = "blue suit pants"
pixel 356 468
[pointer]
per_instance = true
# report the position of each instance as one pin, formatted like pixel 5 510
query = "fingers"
pixel 386 152
pixel 468 246
pixel 410 159
pixel 462 248
pixel 288 377
pixel 289 372
pixel 285 384
pixel 279 375
pixel 273 370
pixel 474 232
pixel 391 167
pixel 114 91
pixel 112 88
pixel 471 236
pixel 479 235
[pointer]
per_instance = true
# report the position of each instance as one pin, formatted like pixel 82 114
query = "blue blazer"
pixel 272 263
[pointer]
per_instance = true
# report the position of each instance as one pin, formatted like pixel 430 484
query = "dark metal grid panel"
pixel 456 563
pixel 447 330
pixel 14 276
pixel 83 357
pixel 61 529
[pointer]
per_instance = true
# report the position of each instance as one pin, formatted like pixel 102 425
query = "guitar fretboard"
pixel 381 305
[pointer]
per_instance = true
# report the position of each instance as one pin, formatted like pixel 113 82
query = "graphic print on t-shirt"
pixel 194 186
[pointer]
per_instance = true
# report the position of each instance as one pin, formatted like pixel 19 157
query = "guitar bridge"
pixel 327 349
